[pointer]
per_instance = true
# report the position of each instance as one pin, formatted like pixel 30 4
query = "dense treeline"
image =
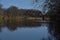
pixel 14 11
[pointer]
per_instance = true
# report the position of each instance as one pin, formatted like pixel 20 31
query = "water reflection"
pixel 54 29
pixel 13 25
pixel 33 32
pixel 26 30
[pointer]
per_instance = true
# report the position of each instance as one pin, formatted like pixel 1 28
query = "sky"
pixel 25 4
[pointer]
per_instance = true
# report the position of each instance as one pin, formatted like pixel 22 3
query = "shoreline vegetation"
pixel 15 14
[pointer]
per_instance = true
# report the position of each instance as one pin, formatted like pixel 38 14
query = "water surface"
pixel 25 31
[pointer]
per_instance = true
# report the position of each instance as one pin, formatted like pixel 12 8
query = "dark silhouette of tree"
pixel 1 9
pixel 53 11
pixel 12 11
pixel 54 14
pixel 0 5
pixel 54 29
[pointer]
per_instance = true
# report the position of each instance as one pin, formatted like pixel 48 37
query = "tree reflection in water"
pixel 54 27
pixel 13 25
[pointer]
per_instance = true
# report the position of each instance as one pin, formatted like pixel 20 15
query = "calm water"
pixel 25 31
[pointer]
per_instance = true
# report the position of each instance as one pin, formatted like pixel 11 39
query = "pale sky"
pixel 25 4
